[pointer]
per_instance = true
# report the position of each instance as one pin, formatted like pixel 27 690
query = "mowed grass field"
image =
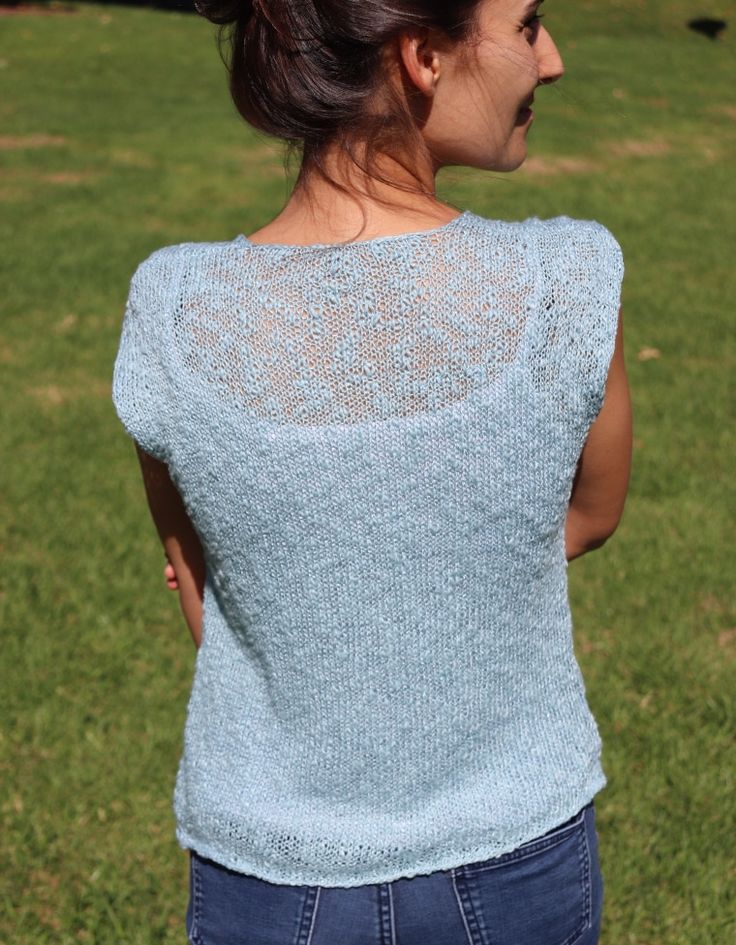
pixel 117 136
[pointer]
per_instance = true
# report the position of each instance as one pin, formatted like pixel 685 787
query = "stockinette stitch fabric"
pixel 376 444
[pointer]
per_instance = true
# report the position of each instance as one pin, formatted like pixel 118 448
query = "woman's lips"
pixel 525 115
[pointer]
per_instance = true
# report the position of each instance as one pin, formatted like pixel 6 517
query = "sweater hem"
pixel 448 860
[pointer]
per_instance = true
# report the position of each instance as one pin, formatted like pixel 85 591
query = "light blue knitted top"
pixel 376 444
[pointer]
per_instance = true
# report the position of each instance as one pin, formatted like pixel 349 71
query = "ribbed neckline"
pixel 377 240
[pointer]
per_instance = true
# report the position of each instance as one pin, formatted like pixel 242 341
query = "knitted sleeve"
pixel 142 388
pixel 582 273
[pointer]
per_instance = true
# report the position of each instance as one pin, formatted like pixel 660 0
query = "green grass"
pixel 119 137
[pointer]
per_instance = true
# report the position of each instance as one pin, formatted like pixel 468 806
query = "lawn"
pixel 117 137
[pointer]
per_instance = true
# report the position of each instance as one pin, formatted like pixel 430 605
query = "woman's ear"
pixel 420 57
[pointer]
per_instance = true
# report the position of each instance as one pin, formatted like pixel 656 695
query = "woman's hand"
pixel 170 576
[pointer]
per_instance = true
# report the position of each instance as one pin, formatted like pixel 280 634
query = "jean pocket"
pixel 227 907
pixel 538 894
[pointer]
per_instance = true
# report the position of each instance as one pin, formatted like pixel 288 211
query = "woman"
pixel 373 434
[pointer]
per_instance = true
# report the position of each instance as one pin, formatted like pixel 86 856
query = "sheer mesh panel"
pixel 310 335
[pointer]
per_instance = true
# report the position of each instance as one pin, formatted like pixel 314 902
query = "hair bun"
pixel 223 12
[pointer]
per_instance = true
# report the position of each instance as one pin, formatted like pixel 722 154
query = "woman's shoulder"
pixel 171 258
pixel 576 234
pixel 560 243
pixel 561 227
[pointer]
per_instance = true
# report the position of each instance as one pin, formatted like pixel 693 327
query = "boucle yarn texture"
pixel 376 443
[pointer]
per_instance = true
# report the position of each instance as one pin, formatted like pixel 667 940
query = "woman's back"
pixel 376 443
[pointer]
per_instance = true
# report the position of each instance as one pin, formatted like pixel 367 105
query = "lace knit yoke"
pixel 376 443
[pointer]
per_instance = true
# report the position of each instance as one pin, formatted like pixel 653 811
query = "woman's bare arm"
pixel 602 477
pixel 179 539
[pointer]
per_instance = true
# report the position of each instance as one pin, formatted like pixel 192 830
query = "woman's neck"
pixel 318 212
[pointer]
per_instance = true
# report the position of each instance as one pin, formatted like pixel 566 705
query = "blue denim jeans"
pixel 547 892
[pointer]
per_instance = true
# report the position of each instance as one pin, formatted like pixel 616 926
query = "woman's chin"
pixel 502 159
pixel 512 160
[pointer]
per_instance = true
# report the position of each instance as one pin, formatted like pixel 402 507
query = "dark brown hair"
pixel 310 71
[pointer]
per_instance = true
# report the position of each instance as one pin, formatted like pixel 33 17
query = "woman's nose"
pixel 551 67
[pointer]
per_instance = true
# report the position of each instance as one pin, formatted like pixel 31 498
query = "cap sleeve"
pixel 581 276
pixel 142 388
pixel 603 290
